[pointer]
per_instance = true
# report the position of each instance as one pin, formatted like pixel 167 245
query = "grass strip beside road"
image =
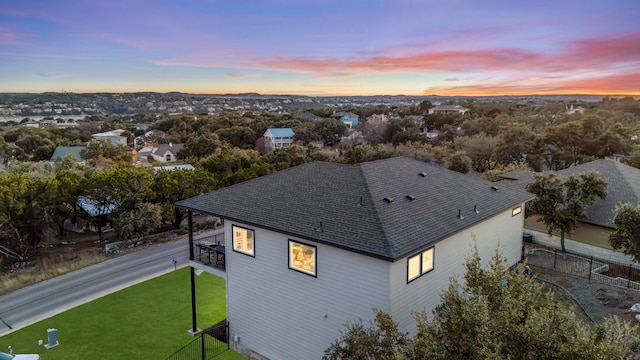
pixel 146 321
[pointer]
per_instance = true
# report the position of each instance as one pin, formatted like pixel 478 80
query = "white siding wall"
pixel 449 259
pixel 279 312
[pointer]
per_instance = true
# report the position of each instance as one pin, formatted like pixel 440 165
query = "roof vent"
pixel 360 201
pixel 388 199
pixel 460 215
pixel 423 174
pixel 475 209
pixel 320 228
pixel 411 197
pixel 495 188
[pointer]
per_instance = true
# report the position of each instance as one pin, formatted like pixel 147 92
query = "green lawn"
pixel 146 321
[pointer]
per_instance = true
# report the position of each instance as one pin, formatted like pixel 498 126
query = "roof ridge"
pixel 369 197
pixel 622 169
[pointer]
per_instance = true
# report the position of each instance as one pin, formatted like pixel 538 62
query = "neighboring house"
pixel 309 116
pixel 99 211
pixel 62 151
pixel 377 119
pixel 276 138
pixel 165 153
pixel 573 108
pixel 430 134
pixel 623 185
pixel 316 246
pixel 348 118
pixel 448 109
pixel 149 138
pixel 114 135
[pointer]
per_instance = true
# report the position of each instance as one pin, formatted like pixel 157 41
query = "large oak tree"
pixel 562 201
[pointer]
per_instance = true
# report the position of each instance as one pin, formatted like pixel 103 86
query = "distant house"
pixel 348 118
pixel 313 247
pixel 448 109
pixel 114 135
pixel 62 151
pixel 573 108
pixel 309 116
pixel 377 119
pixel 623 185
pixel 164 153
pixel 276 138
pixel 149 138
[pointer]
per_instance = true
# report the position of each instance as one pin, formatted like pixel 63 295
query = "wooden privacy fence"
pixel 605 271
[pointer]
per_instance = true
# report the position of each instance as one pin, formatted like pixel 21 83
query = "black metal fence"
pixel 210 343
pixel 605 271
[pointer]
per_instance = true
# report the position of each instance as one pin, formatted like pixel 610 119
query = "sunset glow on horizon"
pixel 322 47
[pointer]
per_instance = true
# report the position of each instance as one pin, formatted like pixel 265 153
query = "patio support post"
pixel 194 329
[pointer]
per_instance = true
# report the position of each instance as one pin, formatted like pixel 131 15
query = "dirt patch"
pixel 598 300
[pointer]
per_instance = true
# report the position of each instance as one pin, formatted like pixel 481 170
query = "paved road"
pixel 45 299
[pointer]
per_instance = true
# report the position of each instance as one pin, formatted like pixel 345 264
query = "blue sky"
pixel 321 47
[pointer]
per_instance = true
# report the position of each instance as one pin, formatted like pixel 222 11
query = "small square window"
pixel 243 240
pixel 302 257
pixel 516 211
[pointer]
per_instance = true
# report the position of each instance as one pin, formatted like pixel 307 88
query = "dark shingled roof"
pixel 623 185
pixel 344 205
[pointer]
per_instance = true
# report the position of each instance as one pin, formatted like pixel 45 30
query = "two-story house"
pixel 315 246
pixel 276 138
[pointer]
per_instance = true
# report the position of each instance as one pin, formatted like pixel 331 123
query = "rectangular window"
pixel 302 257
pixel 414 267
pixel 516 211
pixel 243 240
pixel 419 264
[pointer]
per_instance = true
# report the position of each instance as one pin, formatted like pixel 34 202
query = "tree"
pixel 562 201
pixel 481 149
pixel 69 185
pixel 171 186
pixel 23 202
pixel 460 162
pixel 627 233
pixel 331 130
pixel 138 223
pixel 565 145
pixel 493 312
pixel 200 146
pixel 375 342
pixel 515 141
pixel 97 152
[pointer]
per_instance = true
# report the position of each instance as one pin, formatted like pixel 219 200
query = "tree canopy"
pixel 627 233
pixel 562 201
pixel 493 312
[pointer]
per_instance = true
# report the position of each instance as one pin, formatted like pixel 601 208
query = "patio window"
pixel 243 240
pixel 419 264
pixel 302 257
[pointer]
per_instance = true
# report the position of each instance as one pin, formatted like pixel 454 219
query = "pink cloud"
pixel 8 37
pixel 618 84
